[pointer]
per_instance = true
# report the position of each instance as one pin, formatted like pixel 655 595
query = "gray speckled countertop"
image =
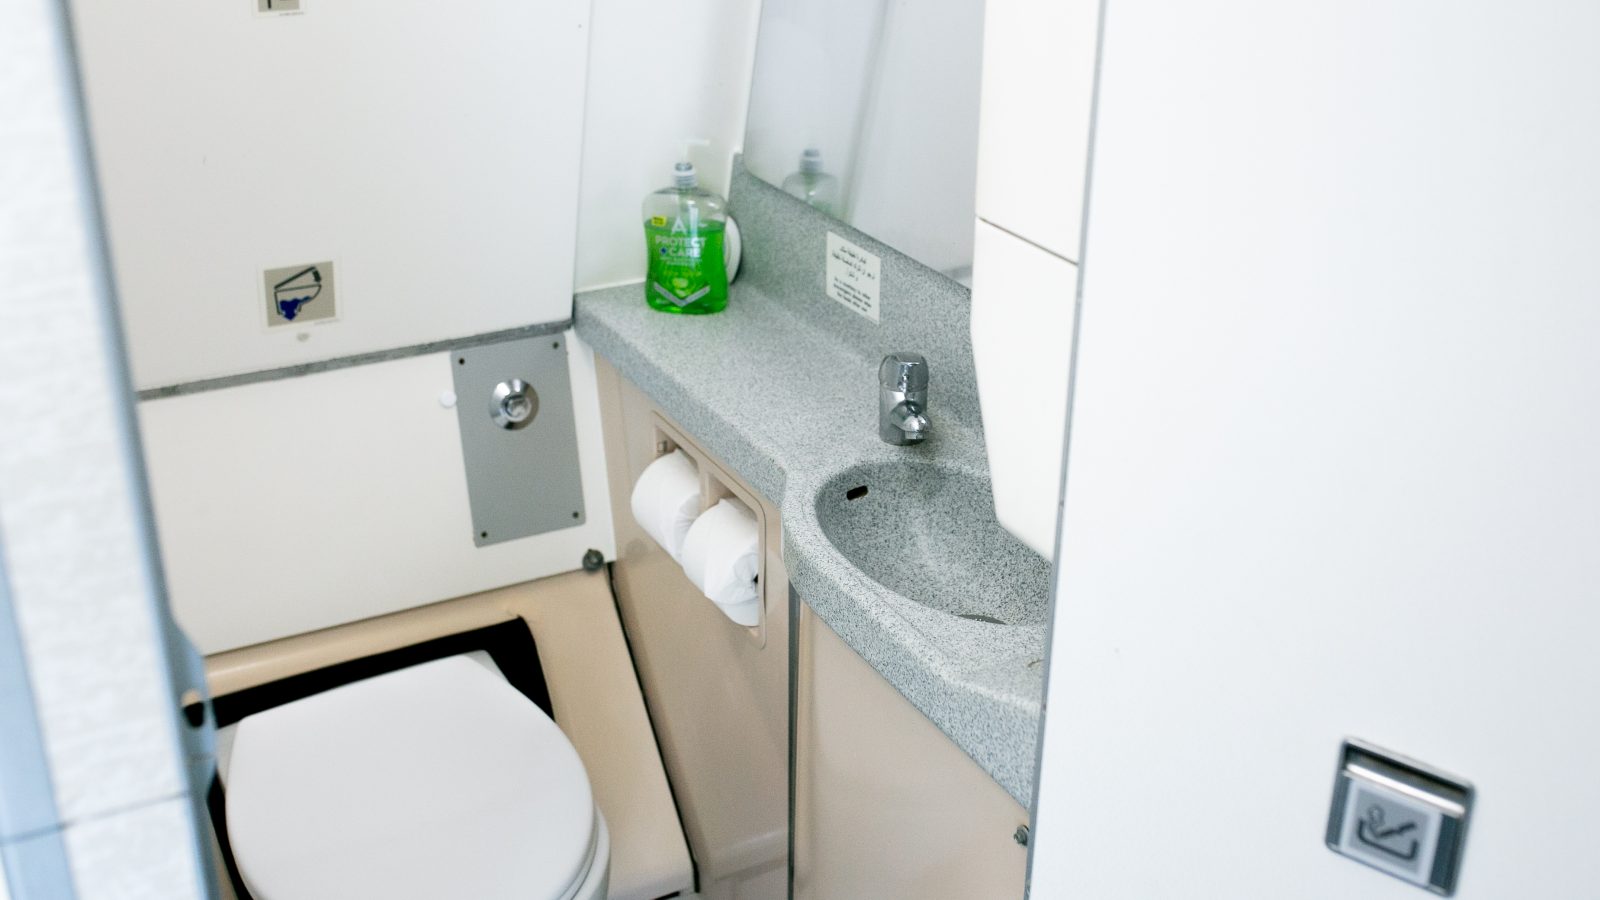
pixel 785 392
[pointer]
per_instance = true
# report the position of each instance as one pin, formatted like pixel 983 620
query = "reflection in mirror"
pixel 868 110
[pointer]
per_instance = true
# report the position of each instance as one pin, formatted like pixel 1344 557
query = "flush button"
pixel 1399 816
pixel 514 404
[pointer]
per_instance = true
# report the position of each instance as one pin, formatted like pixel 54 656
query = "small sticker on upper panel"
pixel 269 7
pixel 853 276
pixel 296 295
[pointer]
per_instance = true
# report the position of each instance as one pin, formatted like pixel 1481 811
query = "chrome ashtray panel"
pixel 1399 816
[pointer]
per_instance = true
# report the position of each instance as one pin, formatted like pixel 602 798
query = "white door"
pixel 1334 460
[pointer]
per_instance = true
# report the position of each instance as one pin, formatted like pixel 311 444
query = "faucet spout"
pixel 908 417
pixel 903 399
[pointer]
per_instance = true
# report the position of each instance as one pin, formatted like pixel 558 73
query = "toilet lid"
pixel 440 780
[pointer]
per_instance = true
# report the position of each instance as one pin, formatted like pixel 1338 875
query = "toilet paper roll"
pixel 666 501
pixel 747 614
pixel 722 556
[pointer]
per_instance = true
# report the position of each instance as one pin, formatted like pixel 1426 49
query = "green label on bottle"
pixel 685 262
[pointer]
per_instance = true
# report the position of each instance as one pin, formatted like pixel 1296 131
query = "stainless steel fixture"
pixel 903 398
pixel 1399 816
pixel 513 404
pixel 520 447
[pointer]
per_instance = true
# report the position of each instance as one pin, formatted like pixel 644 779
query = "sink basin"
pixel 929 534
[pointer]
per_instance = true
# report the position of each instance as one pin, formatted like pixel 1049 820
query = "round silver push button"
pixel 514 405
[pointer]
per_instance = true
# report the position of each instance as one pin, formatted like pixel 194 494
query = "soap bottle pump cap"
pixel 683 176
pixel 811 161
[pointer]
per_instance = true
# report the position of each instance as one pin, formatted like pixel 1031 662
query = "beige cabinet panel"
pixel 887 806
pixel 718 692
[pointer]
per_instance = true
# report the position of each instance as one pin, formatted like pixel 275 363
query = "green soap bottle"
pixel 683 230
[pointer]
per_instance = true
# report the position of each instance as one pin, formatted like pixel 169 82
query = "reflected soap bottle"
pixel 814 186
pixel 683 228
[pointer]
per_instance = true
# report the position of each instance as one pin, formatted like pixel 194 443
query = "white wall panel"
pixel 430 150
pixel 1022 306
pixel 660 74
pixel 288 506
pixel 1038 73
pixel 1334 453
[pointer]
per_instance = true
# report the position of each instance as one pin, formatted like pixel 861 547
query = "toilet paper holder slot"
pixel 717 485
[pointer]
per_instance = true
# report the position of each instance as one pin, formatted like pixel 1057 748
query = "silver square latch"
pixel 1399 816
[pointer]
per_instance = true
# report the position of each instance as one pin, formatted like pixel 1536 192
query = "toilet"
pixel 436 781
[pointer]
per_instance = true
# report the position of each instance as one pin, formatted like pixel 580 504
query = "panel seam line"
pixel 1030 242
pixel 358 359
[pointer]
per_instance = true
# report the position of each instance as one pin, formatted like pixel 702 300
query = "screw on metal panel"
pixel 593 560
pixel 1021 835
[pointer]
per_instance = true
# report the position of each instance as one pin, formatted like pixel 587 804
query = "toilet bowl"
pixel 436 781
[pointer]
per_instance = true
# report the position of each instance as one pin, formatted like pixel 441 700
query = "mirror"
pixel 868 110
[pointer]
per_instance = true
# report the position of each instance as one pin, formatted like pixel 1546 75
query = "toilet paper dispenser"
pixel 715 549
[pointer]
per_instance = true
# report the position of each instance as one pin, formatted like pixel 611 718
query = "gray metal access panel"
pixel 519 438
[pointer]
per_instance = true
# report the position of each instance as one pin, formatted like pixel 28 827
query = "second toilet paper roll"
pixel 666 500
pixel 722 556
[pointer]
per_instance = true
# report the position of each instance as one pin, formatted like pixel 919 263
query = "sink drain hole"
pixel 856 493
pixel 978 617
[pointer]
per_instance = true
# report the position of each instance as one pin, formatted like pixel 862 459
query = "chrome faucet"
pixel 903 399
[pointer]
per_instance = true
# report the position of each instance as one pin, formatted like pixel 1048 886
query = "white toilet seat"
pixel 440 780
